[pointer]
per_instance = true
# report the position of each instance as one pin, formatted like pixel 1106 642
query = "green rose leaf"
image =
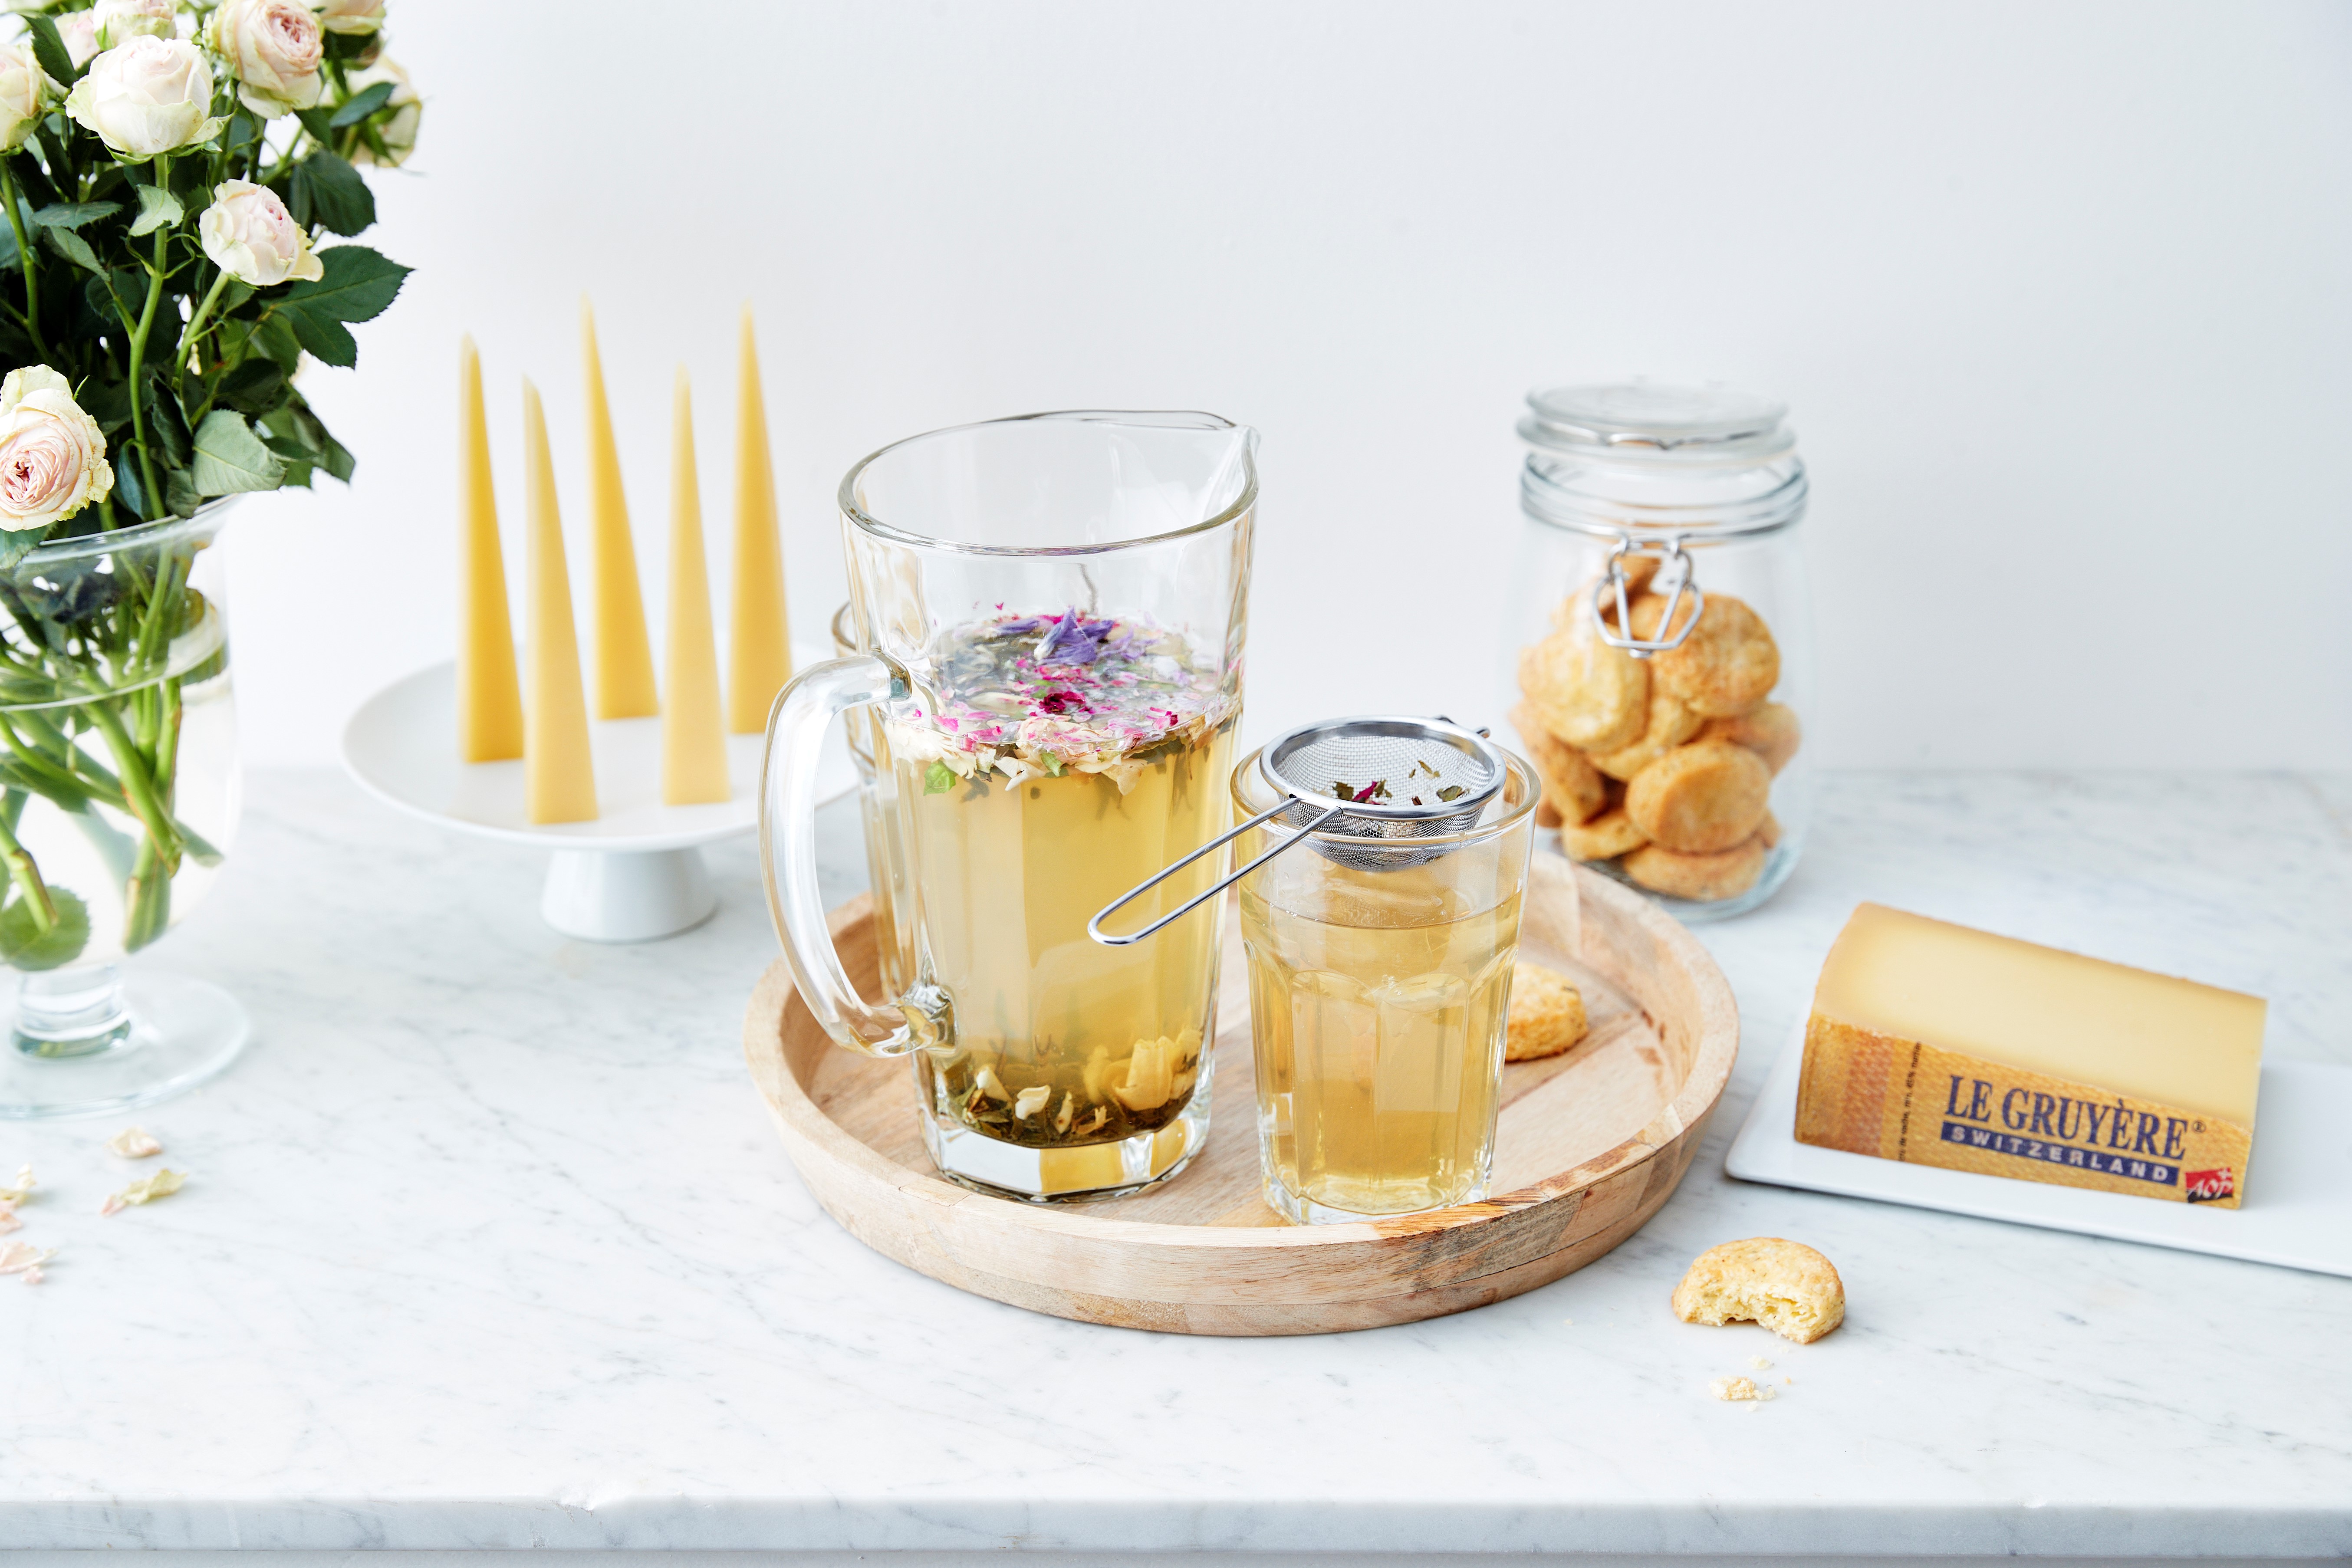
pixel 326 190
pixel 231 459
pixel 179 494
pixel 255 386
pixel 14 546
pixel 105 401
pixel 299 467
pixel 51 49
pixel 157 208
pixel 73 248
pixel 26 945
pixel 357 284
pixel 324 449
pixel 167 424
pixel 362 105
pixel 75 215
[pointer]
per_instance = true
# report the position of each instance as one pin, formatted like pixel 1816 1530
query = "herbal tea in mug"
pixel 1054 611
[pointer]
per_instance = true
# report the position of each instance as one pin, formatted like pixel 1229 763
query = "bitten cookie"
pixel 1702 879
pixel 1547 1014
pixel 1570 786
pixel 1671 723
pixel 1771 730
pixel 1700 798
pixel 1587 694
pixel 1604 838
pixel 1728 665
pixel 1784 1285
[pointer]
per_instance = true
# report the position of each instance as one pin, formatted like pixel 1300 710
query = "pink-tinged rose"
pixel 119 21
pixel 350 16
pixel 397 128
pixel 250 236
pixel 25 91
pixel 52 455
pixel 78 31
pixel 147 96
pixel 273 49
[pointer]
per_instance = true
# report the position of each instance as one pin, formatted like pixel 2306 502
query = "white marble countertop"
pixel 488 1243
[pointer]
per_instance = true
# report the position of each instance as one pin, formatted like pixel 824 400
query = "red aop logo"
pixel 2204 1186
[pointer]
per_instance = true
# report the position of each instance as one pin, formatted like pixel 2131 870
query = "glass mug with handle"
pixel 1050 614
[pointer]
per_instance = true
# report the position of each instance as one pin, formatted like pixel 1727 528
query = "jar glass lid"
pixel 1656 422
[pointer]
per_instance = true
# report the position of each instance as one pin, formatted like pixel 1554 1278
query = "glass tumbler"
pixel 1669 727
pixel 1049 612
pixel 1378 1000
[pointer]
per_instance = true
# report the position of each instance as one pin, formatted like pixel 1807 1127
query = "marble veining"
pixel 488 1243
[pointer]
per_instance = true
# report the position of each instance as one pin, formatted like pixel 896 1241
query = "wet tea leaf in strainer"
pixel 1390 778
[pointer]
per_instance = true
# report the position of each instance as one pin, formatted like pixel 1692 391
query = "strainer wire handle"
pixel 1094 926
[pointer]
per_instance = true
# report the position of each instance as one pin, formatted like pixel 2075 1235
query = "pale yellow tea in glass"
pixel 1377 1010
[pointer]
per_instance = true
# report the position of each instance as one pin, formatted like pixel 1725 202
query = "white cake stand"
pixel 633 874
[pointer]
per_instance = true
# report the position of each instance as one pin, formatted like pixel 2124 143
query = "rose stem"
pixel 154 497
pixel 28 876
pixel 24 259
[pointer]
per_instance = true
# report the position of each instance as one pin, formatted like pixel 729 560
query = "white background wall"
pixel 2060 296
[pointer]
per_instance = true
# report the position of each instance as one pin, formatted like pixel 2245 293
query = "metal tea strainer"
pixel 1387 778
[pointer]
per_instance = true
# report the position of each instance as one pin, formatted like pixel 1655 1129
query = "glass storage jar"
pixel 1659 651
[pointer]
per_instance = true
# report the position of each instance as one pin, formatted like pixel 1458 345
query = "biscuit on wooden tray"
pixel 1770 730
pixel 1572 788
pixel 1587 694
pixel 1671 721
pixel 1786 1285
pixel 1700 798
pixel 1547 1014
pixel 1604 838
pixel 1702 879
pixel 1728 665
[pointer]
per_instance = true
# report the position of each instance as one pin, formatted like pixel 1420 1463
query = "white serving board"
pixel 2296 1211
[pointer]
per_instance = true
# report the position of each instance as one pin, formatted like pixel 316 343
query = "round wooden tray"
pixel 1590 1143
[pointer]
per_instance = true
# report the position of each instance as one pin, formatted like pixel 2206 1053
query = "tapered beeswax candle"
pixel 759 643
pixel 624 659
pixel 489 699
pixel 559 781
pixel 694 741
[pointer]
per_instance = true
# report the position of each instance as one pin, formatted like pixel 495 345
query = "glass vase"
pixel 119 799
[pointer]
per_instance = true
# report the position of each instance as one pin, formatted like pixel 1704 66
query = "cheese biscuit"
pixel 1728 665
pixel 1547 1014
pixel 1702 879
pixel 1770 730
pixel 1570 786
pixel 1700 798
pixel 1604 838
pixel 1670 723
pixel 1786 1285
pixel 1587 694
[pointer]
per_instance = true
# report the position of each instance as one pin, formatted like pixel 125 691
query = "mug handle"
pixel 922 1017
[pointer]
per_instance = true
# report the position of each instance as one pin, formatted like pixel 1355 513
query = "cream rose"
pixel 79 32
pixel 273 49
pixel 150 96
pixel 114 22
pixel 25 91
pixel 52 455
pixel 350 16
pixel 397 130
pixel 251 236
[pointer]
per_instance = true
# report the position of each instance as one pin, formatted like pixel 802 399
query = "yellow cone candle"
pixel 559 781
pixel 489 699
pixel 759 643
pixel 694 742
pixel 624 658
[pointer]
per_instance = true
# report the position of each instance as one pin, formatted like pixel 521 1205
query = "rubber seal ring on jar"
pixel 1674 566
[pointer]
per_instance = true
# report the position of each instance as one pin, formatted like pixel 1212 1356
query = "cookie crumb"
pixel 1567 1323
pixel 1733 1388
pixel 1759 1364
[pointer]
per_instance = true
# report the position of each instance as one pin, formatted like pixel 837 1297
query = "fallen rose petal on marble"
pixel 9 1220
pixel 146 1190
pixel 17 1257
pixel 133 1143
pixel 22 1190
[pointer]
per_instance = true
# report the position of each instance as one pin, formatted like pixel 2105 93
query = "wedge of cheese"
pixel 1943 1045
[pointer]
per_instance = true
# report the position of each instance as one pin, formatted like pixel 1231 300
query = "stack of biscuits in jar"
pixel 1664 765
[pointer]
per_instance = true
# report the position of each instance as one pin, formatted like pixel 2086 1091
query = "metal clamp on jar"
pixel 1660 653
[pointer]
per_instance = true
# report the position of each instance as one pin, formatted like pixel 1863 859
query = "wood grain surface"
pixel 1589 1145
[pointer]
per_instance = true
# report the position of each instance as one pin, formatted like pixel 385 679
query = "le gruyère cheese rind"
pixel 1943 1045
